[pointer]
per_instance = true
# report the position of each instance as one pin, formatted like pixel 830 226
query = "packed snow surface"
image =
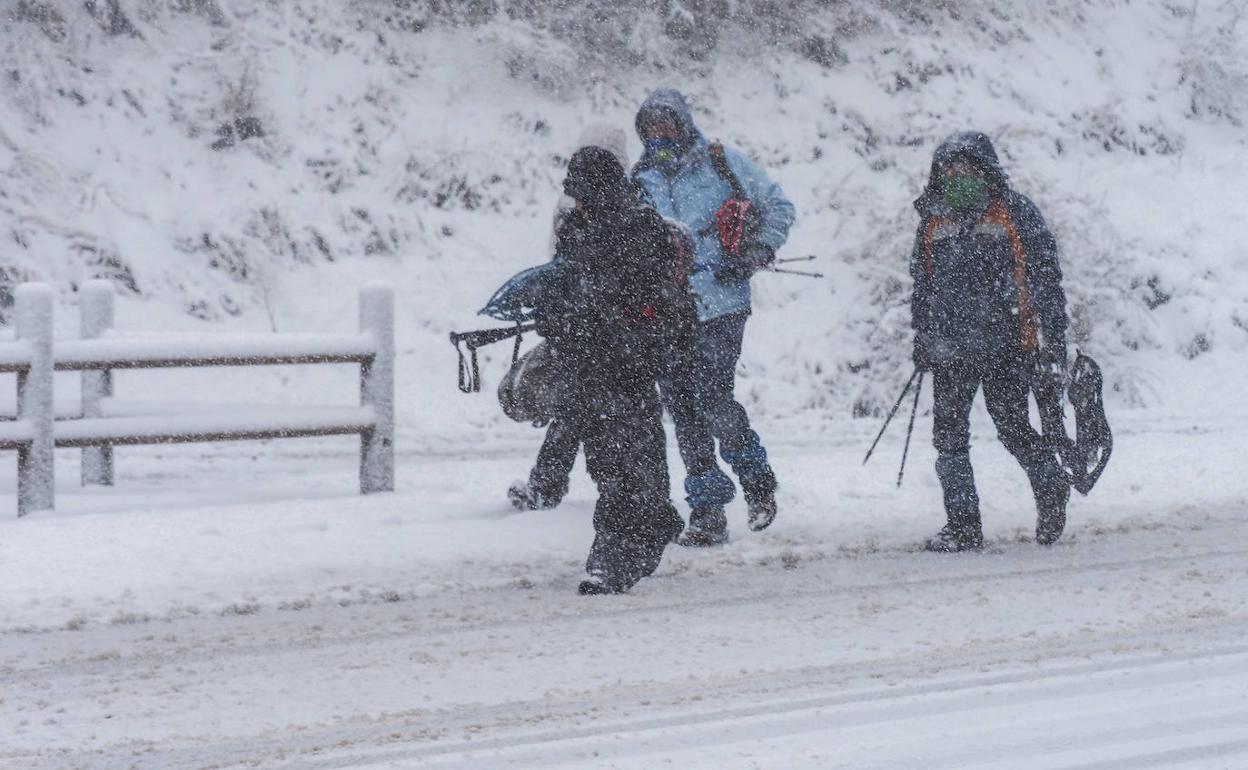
pixel 280 621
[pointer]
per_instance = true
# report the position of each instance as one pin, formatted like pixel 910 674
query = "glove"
pixel 737 268
pixel 1052 354
pixel 1050 364
pixel 921 355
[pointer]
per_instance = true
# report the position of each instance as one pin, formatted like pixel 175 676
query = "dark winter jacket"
pixel 985 282
pixel 692 191
pixel 615 311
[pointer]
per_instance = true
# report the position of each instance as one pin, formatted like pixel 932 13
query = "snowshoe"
pixel 1084 459
pixel 953 540
pixel 708 526
pixel 1094 441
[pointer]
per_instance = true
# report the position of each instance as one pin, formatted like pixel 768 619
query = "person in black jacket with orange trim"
pixel 615 314
pixel 988 310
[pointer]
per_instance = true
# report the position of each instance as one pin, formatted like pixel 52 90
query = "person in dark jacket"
pixel 988 310
pixel 611 316
pixel 682 178
pixel 548 480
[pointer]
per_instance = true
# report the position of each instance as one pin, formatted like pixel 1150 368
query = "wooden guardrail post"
pixel 36 472
pixel 377 390
pixel 96 311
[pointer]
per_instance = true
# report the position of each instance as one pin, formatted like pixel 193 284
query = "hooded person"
pixel 988 310
pixel 704 186
pixel 548 479
pixel 608 316
pixel 611 138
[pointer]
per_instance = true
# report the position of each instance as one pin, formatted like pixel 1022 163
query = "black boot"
pixel 597 584
pixel 760 500
pixel 953 539
pixel 708 526
pixel 1051 514
pixel 526 497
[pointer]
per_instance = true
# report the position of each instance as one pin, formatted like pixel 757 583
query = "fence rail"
pixel 36 431
pixel 250 350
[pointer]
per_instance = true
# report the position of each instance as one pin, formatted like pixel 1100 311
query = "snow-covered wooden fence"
pixel 36 432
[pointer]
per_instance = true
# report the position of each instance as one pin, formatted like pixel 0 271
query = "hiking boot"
pixel 599 583
pixel 708 526
pixel 761 511
pixel 953 540
pixel 760 501
pixel 1051 519
pixel 525 497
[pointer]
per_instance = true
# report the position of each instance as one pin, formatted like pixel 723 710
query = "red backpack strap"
pixel 998 214
pixel 719 161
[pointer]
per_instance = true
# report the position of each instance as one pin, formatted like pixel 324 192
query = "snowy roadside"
pixel 1122 648
pixel 263 528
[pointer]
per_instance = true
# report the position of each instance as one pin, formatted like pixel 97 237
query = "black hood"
pixel 595 179
pixel 973 146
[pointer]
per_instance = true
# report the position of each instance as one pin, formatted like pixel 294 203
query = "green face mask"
pixel 964 193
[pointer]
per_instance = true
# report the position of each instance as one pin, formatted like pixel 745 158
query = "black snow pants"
pixel 549 477
pixel 679 390
pixel 1005 383
pixel 634 519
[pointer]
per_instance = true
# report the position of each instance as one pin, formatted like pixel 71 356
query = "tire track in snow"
pixel 616 738
pixel 572 611
pixel 224 660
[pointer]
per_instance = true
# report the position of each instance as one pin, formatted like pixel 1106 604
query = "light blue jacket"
pixel 690 191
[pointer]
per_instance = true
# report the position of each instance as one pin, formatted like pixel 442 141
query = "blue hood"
pixel 672 101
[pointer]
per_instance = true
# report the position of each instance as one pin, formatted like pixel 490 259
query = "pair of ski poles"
pixel 918 374
pixel 787 271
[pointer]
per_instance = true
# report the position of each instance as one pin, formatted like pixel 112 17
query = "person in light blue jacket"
pixel 685 181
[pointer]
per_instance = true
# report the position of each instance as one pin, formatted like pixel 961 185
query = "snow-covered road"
pixel 236 606
pixel 1126 650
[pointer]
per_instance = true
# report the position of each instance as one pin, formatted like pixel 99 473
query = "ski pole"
pixel 889 418
pixel 795 272
pixel 807 258
pixel 910 431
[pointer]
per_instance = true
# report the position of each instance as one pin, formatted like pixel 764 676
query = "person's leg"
pixel 705 483
pixel 707 488
pixel 953 387
pixel 1005 391
pixel 719 347
pixel 634 518
pixel 555 460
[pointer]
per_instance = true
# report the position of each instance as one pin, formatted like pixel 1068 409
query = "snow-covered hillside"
pixel 249 162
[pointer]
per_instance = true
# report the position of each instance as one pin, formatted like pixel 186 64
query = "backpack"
pixel 534 389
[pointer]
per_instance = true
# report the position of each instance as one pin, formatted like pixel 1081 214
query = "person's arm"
pixel 919 299
pixel 1044 275
pixel 776 209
